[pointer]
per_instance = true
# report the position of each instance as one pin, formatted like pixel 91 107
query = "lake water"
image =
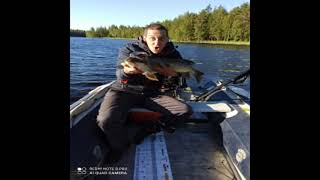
pixel 93 62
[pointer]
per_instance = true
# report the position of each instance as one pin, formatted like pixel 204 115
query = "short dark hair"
pixel 155 26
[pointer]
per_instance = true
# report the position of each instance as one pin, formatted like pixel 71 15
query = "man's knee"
pixel 107 116
pixel 102 121
pixel 186 110
pixel 103 116
pixel 183 110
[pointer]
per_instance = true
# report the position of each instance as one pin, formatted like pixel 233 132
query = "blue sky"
pixel 85 14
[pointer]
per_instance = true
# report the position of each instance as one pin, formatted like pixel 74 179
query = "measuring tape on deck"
pixel 152 160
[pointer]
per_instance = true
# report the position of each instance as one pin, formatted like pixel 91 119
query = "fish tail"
pixel 198 75
pixel 185 75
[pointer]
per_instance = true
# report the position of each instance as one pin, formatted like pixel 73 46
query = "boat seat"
pixel 198 107
pixel 143 114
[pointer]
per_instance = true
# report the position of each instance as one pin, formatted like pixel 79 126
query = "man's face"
pixel 156 40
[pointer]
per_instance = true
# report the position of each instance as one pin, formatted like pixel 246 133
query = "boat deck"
pixel 195 151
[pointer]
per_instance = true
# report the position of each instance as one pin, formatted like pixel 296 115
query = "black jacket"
pixel 139 83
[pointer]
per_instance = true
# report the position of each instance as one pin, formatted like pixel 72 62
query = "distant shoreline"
pixel 242 43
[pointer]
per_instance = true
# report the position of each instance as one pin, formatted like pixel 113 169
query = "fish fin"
pixel 150 76
pixel 198 75
pixel 189 62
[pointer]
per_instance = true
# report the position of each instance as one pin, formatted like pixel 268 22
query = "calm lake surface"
pixel 93 62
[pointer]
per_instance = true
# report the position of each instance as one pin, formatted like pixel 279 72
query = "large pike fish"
pixel 149 65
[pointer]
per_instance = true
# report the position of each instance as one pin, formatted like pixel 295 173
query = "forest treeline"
pixel 208 25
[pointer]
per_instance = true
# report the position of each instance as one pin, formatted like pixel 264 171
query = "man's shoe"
pixel 114 156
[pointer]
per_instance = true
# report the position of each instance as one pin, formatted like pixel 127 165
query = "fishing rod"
pixel 236 80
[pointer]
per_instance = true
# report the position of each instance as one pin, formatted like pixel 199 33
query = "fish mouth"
pixel 129 61
pixel 157 48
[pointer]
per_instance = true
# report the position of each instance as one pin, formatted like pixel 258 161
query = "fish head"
pixel 139 55
pixel 138 63
pixel 132 61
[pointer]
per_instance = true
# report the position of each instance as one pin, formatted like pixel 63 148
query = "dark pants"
pixel 114 110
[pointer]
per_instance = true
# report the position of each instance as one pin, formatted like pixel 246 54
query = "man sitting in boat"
pixel 133 89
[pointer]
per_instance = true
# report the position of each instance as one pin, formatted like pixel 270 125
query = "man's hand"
pixel 166 71
pixel 130 70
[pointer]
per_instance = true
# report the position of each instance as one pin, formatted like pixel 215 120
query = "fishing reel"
pixel 173 85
